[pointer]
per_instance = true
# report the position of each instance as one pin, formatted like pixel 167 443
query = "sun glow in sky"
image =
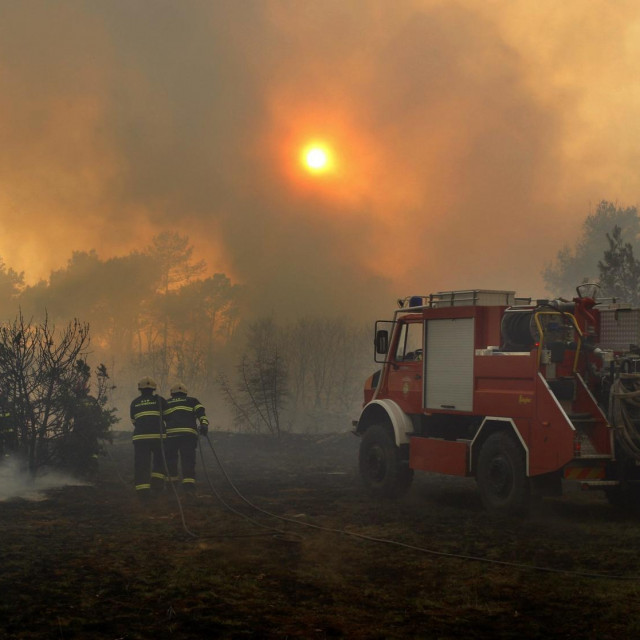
pixel 317 158
pixel 319 135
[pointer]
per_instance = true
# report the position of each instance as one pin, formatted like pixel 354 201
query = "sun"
pixel 316 158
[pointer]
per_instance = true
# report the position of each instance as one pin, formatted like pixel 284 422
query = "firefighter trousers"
pixel 148 464
pixel 182 448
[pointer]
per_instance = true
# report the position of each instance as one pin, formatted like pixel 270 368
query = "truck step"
pixel 582 419
pixel 593 456
pixel 598 484
pixel 580 416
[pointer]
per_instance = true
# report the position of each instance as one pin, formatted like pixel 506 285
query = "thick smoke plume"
pixel 470 138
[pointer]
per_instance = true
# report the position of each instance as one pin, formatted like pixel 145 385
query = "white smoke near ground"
pixel 17 482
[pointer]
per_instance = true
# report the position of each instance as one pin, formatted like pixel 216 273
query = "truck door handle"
pixel 418 376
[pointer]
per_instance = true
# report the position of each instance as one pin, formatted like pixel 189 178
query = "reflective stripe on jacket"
pixel 146 415
pixel 182 413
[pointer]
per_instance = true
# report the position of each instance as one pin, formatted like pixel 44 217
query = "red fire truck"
pixel 519 394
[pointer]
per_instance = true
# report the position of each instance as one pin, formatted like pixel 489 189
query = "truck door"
pixel 449 364
pixel 405 368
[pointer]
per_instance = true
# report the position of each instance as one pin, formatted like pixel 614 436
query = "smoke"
pixel 16 482
pixel 470 138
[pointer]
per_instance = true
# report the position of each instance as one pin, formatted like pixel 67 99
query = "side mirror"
pixel 382 342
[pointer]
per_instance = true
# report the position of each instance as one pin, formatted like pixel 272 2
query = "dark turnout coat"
pixel 182 415
pixel 146 414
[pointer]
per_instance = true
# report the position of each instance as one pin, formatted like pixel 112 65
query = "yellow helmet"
pixel 178 387
pixel 147 383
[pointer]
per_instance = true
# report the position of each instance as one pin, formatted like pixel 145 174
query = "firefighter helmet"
pixel 178 387
pixel 147 383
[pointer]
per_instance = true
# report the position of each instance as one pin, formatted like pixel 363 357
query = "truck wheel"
pixel 384 472
pixel 501 475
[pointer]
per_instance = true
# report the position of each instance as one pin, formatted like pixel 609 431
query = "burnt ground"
pixel 90 562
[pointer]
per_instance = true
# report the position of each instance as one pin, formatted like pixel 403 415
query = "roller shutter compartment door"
pixel 449 364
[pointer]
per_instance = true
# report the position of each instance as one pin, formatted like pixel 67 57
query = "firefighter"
pixel 146 414
pixel 182 415
pixel 8 434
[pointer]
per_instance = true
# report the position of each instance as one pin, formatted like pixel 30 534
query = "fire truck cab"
pixel 514 392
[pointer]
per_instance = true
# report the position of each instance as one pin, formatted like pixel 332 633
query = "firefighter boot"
pixel 189 489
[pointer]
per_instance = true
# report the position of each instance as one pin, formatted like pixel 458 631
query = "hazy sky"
pixel 468 139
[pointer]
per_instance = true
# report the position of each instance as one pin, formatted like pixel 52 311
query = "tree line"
pixel 604 252
pixel 154 312
pixel 304 375
pixel 149 310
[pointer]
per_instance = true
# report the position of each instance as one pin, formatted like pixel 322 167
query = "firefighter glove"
pixel 204 429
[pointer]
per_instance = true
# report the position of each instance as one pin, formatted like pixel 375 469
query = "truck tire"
pixel 383 470
pixel 501 475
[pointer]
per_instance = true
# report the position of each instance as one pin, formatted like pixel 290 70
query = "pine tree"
pixel 620 270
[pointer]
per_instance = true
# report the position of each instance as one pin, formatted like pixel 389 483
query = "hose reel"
pixel 625 412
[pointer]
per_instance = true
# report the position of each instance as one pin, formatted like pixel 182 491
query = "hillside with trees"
pixel 156 312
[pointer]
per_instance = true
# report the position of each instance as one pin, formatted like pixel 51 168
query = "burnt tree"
pixel 44 376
